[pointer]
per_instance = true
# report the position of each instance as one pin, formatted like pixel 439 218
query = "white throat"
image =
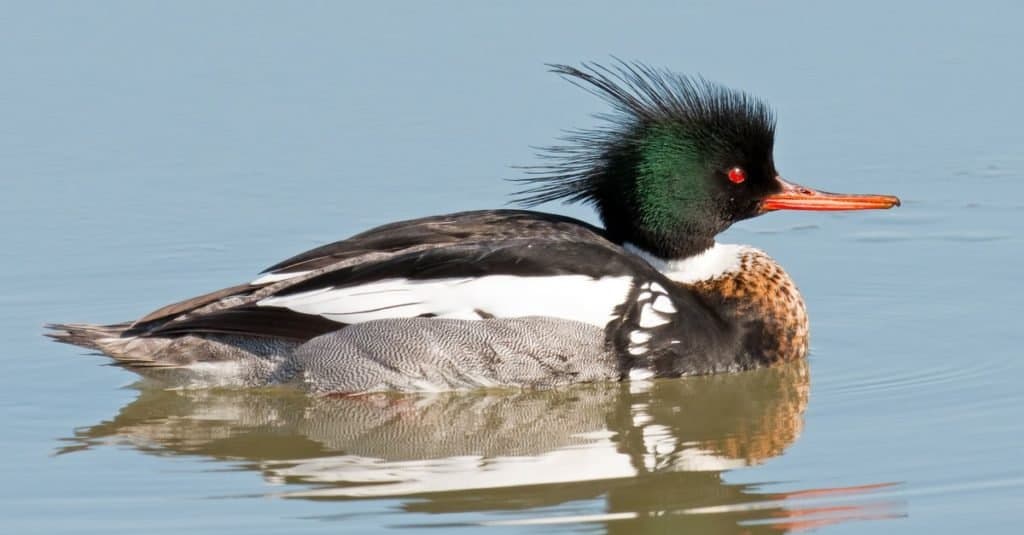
pixel 719 260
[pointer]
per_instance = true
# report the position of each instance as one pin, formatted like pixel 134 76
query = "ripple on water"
pixel 933 383
pixel 900 236
pixel 972 236
pixel 789 511
pixel 783 230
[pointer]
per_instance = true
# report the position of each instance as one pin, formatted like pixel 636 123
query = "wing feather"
pixel 458 265
pixel 442 230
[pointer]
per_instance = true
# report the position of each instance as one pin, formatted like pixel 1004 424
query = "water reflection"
pixel 645 452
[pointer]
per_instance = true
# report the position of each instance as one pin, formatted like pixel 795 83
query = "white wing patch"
pixel 663 304
pixel 575 297
pixel 656 308
pixel 640 374
pixel 275 277
pixel 639 337
pixel 649 317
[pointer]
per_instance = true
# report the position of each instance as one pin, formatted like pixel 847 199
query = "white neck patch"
pixel 719 260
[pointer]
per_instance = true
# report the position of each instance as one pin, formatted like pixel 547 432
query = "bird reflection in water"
pixel 651 452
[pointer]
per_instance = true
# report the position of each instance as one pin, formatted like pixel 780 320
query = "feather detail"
pixel 642 98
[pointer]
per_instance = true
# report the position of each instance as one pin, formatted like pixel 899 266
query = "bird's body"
pixel 525 298
pixel 472 278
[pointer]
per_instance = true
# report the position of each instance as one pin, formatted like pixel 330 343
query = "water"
pixel 149 152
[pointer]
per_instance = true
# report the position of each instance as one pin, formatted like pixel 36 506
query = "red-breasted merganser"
pixel 517 297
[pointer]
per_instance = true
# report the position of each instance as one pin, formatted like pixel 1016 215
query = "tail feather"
pixel 85 335
pixel 116 341
pixel 203 359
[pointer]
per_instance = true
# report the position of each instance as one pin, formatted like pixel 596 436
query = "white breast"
pixel 720 259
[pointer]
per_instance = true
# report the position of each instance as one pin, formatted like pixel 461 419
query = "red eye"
pixel 737 175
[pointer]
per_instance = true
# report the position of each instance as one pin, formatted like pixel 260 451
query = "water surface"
pixel 150 152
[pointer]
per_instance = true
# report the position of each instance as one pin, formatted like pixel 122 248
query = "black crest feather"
pixel 641 97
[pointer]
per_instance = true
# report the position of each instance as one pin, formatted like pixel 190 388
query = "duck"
pixel 520 297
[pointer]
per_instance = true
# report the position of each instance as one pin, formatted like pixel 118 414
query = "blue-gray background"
pixel 153 150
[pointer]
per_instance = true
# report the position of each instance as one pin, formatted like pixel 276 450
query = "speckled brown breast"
pixel 765 302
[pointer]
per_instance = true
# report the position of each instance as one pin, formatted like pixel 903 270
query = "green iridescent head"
pixel 678 161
